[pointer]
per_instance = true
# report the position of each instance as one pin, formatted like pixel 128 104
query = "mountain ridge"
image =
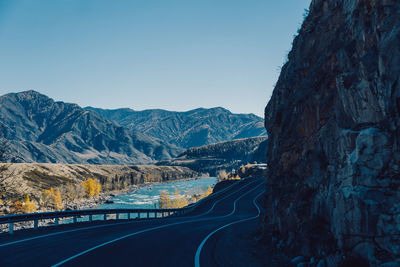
pixel 193 128
pixel 43 130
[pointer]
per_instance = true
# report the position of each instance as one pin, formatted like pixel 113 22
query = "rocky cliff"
pixel 333 124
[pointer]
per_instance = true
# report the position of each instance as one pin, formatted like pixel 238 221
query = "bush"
pixel 52 198
pixel 27 206
pixel 92 187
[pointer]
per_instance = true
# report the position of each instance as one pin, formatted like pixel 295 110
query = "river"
pixel 147 196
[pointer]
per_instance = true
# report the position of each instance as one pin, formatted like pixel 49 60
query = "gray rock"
pixel 334 136
pixel 297 260
pixel 321 263
pixel 391 264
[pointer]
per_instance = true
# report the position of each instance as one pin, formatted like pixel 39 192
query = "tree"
pixel 28 206
pixel 23 207
pixel 92 187
pixel 53 198
pixel 179 201
pixel 165 200
pixel 208 191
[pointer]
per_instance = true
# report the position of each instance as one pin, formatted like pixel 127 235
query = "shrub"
pixel 23 207
pixel 52 198
pixel 92 187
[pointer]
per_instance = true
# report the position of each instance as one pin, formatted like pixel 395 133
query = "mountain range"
pixel 197 127
pixel 43 130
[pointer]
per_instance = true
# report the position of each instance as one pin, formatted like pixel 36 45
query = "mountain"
pixel 333 187
pixel 226 155
pixel 193 128
pixel 42 130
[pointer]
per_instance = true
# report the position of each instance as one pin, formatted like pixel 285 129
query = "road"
pixel 195 239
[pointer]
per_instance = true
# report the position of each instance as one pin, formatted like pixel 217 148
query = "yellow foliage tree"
pixel 92 187
pixel 208 191
pixel 23 207
pixel 53 198
pixel 179 201
pixel 165 200
pixel 28 206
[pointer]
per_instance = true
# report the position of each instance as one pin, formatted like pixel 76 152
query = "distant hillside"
pixel 226 155
pixel 42 130
pixel 19 179
pixel 193 128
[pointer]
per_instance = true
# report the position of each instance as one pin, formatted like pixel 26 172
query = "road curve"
pixel 176 241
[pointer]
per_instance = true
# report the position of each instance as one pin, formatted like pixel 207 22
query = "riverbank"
pixel 128 193
pixel 19 179
pixel 91 203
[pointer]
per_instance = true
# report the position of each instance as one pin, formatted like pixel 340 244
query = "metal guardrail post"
pixel 105 216
pixel 148 215
pixel 117 216
pixel 56 221
pixel 35 224
pixel 162 214
pixel 90 218
pixel 75 219
pixel 129 216
pixel 11 228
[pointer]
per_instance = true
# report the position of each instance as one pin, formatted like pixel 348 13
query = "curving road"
pixel 196 239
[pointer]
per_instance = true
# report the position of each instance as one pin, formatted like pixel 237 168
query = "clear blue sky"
pixel 142 54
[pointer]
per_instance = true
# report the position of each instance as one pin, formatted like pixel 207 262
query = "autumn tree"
pixel 208 191
pixel 23 207
pixel 179 200
pixel 28 206
pixel 92 187
pixel 165 200
pixel 52 198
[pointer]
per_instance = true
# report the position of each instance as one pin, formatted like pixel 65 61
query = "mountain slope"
pixel 188 129
pixel 225 155
pixel 42 130
pixel 333 188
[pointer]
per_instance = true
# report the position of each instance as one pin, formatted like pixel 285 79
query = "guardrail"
pixel 75 214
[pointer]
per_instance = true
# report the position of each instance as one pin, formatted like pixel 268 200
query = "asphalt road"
pixel 190 240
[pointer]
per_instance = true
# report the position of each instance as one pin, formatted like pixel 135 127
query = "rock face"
pixel 42 130
pixel 334 136
pixel 192 128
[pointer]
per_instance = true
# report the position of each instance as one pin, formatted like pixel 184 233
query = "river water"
pixel 147 196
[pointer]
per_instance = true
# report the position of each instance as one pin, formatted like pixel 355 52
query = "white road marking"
pixel 110 224
pixel 198 252
pixel 148 230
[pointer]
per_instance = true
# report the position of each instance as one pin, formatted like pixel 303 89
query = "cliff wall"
pixel 333 126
